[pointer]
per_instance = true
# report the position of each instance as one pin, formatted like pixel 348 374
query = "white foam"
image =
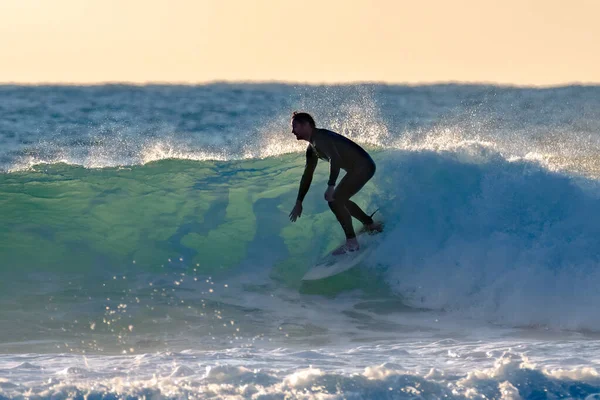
pixel 514 242
pixel 273 374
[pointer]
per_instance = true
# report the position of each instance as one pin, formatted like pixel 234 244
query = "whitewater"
pixel 146 249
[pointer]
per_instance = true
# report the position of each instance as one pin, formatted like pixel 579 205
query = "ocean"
pixel 146 249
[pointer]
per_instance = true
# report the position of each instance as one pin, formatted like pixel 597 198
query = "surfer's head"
pixel 303 125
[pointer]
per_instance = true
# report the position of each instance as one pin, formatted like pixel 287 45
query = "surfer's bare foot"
pixel 348 247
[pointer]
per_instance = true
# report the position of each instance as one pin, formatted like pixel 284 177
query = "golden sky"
pixel 521 42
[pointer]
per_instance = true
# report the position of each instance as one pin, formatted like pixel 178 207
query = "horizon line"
pixel 303 83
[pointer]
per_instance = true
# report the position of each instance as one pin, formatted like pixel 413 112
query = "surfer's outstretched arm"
pixel 309 169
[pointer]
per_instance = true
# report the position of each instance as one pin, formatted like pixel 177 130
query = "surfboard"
pixel 331 265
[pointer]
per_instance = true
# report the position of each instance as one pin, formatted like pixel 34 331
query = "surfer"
pixel 342 153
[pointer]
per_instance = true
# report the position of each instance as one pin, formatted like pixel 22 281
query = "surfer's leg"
pixel 353 185
pixel 358 213
pixel 345 219
pixel 343 208
pixel 343 216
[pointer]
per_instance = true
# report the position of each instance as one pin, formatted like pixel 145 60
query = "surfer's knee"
pixel 341 195
pixel 337 202
pixel 335 205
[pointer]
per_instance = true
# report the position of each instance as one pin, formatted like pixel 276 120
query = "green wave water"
pixel 213 217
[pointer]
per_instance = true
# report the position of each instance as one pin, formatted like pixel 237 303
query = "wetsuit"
pixel 342 153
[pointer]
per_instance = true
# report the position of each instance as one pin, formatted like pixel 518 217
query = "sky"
pixel 514 42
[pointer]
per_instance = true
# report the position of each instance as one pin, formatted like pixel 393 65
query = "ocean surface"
pixel 146 249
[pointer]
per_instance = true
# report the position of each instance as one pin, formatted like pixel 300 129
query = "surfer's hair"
pixel 303 117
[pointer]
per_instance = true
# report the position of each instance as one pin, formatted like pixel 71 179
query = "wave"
pixel 467 230
pixel 510 242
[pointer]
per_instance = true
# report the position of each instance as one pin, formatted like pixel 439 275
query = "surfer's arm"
pixel 309 169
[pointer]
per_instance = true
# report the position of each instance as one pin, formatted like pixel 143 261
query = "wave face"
pixel 515 242
pixel 204 215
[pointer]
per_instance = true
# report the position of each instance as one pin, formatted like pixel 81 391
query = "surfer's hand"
pixel 329 193
pixel 296 212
